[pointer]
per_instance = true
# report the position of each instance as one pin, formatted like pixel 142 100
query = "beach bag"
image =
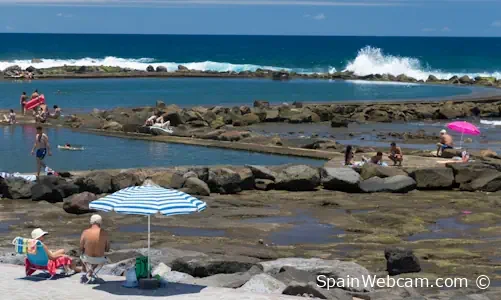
pixel 130 279
pixel 142 267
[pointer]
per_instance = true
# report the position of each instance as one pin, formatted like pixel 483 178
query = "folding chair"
pixel 93 265
pixel 34 262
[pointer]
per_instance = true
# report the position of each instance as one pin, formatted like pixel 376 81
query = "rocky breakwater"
pixel 182 71
pixel 230 123
pixel 77 191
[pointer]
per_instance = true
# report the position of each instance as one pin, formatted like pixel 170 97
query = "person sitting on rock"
pixel 445 142
pixel 56 114
pixel 11 118
pixel 396 154
pixel 348 156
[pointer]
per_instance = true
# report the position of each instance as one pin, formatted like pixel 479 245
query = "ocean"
pixel 417 57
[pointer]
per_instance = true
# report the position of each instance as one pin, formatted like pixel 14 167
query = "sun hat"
pixel 38 233
pixel 443 131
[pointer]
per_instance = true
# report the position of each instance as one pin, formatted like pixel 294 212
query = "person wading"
pixel 42 148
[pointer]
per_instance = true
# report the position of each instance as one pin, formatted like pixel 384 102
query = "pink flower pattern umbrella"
pixel 465 128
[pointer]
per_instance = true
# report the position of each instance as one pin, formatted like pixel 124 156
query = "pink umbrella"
pixel 464 128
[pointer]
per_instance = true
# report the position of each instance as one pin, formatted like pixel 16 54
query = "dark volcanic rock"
pixel 208 266
pixel 123 180
pixel 79 203
pixel 312 289
pixel 161 69
pixel 98 182
pixel 394 184
pixel 400 260
pixel 261 172
pixel 17 188
pixel 372 170
pixel 465 173
pixel 195 186
pixel 264 184
pixel 298 178
pixel 488 181
pixel 433 178
pixel 339 122
pixel 224 181
pixel 340 179
pixel 49 193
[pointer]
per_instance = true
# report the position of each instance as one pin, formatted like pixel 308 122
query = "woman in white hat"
pixel 57 258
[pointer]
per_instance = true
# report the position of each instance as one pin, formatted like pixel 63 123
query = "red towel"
pixel 51 267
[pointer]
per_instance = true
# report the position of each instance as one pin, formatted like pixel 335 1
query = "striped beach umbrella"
pixel 149 199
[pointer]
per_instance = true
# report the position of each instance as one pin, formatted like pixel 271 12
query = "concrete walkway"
pixel 16 286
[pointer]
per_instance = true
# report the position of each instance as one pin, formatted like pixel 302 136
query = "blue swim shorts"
pixel 41 153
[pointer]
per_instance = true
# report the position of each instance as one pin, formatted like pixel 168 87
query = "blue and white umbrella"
pixel 148 200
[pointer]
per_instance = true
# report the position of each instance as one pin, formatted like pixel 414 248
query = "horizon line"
pixel 243 34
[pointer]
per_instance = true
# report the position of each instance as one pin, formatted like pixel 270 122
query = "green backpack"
pixel 142 267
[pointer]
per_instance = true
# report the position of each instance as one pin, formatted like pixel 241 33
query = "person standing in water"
pixel 42 148
pixel 23 101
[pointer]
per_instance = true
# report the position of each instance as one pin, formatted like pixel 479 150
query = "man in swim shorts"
pixel 445 142
pixel 42 148
pixel 396 154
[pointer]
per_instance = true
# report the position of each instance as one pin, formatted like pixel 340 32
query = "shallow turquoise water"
pixel 103 152
pixel 87 94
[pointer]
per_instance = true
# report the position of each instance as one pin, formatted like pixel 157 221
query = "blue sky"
pixel 273 17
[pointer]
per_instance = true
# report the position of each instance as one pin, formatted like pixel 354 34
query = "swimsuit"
pixel 41 153
pixel 446 147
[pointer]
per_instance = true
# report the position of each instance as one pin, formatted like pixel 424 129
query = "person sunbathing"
pixel 11 118
pixel 94 242
pixel 58 258
pixel 376 159
pixel 396 154
pixel 56 114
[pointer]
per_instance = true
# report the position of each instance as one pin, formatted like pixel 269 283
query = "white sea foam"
pixel 488 122
pixel 372 60
pixel 370 82
pixel 369 60
pixel 137 64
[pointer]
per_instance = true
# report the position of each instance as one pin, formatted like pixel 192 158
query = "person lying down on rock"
pixel 376 159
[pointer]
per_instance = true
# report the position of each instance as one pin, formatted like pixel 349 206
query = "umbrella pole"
pixel 149 271
pixel 461 143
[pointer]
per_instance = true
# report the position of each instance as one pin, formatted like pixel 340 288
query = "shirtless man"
pixel 35 94
pixel 396 154
pixel 94 242
pixel 42 148
pixel 445 142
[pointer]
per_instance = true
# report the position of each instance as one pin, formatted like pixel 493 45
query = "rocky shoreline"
pixel 481 176
pixel 15 72
pixel 371 243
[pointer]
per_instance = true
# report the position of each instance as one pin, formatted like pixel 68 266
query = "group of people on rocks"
pixel 94 242
pixel 40 113
pixel 158 121
pixel 396 154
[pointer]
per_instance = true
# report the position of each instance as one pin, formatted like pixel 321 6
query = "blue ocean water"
pixel 414 56
pixel 102 152
pixel 86 94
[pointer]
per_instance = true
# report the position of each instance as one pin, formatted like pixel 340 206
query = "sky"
pixel 255 17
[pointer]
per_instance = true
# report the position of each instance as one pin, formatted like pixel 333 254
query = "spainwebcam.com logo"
pixel 482 282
